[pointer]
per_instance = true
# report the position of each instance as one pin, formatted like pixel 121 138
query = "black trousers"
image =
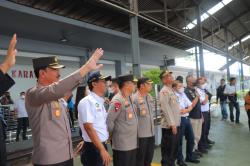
pixel 3 155
pixel 205 130
pixel 209 125
pixel 71 114
pixel 65 163
pixel 169 146
pixel 22 123
pixel 90 155
pixel 145 152
pixel 187 131
pixel 248 114
pixel 124 158
pixel 235 105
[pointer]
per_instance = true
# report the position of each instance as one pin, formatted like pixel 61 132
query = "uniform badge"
pixel 143 112
pixel 96 105
pixel 57 113
pixel 130 115
pixel 117 107
pixel 57 109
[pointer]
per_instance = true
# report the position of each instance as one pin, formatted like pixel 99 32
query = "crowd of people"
pixel 124 118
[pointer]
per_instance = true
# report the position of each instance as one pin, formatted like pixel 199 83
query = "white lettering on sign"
pixel 22 74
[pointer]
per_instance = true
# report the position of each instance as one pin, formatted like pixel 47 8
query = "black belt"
pixel 91 143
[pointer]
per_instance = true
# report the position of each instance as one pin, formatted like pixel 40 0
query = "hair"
pixel 180 79
pixel 232 79
pixel 175 83
pixel 121 84
pixel 139 85
pixel 187 78
pixel 222 79
pixel 36 71
pixel 90 86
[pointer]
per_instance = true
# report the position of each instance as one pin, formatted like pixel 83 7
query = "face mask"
pixel 180 90
pixel 22 96
pixel 203 86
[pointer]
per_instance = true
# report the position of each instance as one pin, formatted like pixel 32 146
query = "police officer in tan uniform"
pixel 123 123
pixel 144 104
pixel 170 120
pixel 51 133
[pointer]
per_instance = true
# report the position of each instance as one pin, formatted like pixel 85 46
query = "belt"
pixel 105 143
pixel 185 117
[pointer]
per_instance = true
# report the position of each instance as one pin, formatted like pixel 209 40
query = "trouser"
pixel 124 158
pixel 235 105
pixel 3 155
pixel 65 163
pixel 248 114
pixel 71 114
pixel 145 152
pixel 90 155
pixel 223 106
pixel 197 128
pixel 22 123
pixel 187 131
pixel 169 147
pixel 205 130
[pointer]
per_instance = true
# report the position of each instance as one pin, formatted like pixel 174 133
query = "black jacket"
pixel 5 82
pixel 220 93
pixel 196 111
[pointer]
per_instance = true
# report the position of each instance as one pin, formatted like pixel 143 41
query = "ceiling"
pixel 235 17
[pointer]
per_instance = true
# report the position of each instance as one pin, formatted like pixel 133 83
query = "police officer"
pixel 47 115
pixel 92 120
pixel 144 104
pixel 123 123
pixel 186 127
pixel 170 122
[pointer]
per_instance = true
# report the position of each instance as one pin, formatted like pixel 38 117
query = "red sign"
pixel 22 74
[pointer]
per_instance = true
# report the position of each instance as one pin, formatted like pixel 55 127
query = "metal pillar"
pixel 197 63
pixel 241 68
pixel 83 60
pixel 165 12
pixel 135 39
pixel 226 50
pixel 120 68
pixel 199 37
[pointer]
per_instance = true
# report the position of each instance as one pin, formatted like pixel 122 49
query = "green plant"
pixel 153 74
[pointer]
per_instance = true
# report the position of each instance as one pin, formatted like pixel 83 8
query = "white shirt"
pixel 184 102
pixel 202 93
pixel 230 89
pixel 91 110
pixel 20 107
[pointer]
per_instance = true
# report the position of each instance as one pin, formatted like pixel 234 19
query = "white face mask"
pixel 203 86
pixel 180 90
pixel 22 96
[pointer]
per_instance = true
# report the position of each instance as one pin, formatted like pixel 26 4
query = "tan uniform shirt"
pixel 48 120
pixel 123 123
pixel 170 108
pixel 145 114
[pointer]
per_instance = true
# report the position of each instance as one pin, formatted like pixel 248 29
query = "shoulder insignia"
pixel 117 106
